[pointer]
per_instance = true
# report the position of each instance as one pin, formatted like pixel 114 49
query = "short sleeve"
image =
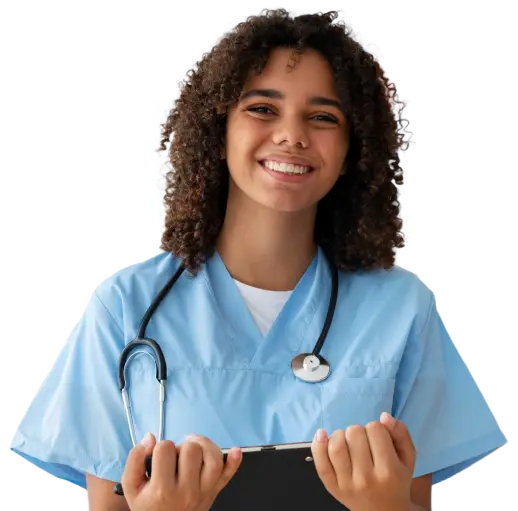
pixel 76 423
pixel 436 397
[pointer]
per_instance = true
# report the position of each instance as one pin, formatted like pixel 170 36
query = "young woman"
pixel 285 166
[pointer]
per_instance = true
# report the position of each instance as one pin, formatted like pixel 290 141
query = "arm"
pixel 421 493
pixel 101 496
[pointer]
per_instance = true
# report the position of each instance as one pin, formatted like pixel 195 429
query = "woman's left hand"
pixel 367 469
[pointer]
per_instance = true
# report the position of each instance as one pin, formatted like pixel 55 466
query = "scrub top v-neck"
pixel 291 330
pixel 264 305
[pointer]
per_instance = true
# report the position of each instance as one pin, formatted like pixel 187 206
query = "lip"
pixel 287 178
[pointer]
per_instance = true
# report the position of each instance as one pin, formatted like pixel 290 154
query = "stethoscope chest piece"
pixel 310 368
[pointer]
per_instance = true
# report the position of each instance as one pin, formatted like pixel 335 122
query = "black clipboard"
pixel 276 478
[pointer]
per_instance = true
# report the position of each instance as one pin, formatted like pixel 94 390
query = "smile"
pixel 286 168
pixel 287 173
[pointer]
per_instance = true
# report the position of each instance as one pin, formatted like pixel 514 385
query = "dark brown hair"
pixel 357 222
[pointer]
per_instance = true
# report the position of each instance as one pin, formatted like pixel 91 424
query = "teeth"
pixel 287 168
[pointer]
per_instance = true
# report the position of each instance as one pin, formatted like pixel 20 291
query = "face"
pixel 286 116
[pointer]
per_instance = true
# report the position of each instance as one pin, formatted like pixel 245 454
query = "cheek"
pixel 243 139
pixel 333 149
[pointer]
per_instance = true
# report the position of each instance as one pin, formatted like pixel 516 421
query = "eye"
pixel 257 108
pixel 326 118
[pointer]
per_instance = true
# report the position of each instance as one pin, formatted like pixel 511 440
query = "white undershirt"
pixel 264 305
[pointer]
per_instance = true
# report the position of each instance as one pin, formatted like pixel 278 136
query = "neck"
pixel 265 248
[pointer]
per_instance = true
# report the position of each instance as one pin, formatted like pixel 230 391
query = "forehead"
pixel 306 74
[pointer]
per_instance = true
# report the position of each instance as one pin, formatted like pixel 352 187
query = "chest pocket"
pixel 347 401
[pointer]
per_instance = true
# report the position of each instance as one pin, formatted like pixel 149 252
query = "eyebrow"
pixel 275 94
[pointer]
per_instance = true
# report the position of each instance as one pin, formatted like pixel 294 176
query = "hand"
pixel 367 469
pixel 187 477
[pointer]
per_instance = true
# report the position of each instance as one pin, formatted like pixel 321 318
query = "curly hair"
pixel 357 223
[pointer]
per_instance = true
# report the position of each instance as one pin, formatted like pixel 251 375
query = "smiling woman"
pixel 281 223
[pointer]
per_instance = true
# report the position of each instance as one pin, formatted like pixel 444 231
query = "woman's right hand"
pixel 187 477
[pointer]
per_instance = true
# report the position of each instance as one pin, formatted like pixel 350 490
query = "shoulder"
pixel 394 281
pixel 397 291
pixel 135 283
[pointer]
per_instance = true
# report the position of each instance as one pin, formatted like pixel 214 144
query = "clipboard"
pixel 276 478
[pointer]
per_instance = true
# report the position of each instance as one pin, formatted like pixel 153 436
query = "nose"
pixel 292 131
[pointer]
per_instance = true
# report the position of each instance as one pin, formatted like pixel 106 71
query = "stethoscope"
pixel 308 367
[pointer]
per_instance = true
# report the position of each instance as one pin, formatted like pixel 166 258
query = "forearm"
pixel 415 507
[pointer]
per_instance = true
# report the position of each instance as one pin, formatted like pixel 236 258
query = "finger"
pixel 163 465
pixel 360 452
pixel 189 467
pixel 230 467
pixel 134 476
pixel 382 449
pixel 212 466
pixel 149 442
pixel 340 458
pixel 323 465
pixel 401 439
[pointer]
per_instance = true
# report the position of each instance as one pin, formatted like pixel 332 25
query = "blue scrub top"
pixel 387 346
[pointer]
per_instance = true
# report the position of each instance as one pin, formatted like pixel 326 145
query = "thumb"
pixel 401 439
pixel 134 476
pixel 148 442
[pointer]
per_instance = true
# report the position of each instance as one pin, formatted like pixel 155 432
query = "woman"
pixel 285 158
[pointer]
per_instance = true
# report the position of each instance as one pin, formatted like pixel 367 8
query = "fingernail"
pixel 387 419
pixel 146 441
pixel 235 454
pixel 321 436
pixel 190 438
